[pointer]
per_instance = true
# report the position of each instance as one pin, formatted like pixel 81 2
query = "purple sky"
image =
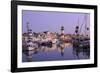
pixel 40 21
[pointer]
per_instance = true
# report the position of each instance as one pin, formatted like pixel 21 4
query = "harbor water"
pixel 56 52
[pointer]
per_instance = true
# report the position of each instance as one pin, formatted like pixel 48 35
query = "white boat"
pixel 54 41
pixel 31 46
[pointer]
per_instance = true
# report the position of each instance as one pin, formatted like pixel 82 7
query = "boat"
pixel 54 41
pixel 81 41
pixel 29 43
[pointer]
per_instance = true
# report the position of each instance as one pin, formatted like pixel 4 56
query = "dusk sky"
pixel 40 21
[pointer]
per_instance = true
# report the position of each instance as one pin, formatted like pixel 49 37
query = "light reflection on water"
pixel 63 51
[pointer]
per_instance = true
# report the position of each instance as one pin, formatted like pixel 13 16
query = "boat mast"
pixel 27 27
pixel 77 29
pixel 84 22
pixel 85 25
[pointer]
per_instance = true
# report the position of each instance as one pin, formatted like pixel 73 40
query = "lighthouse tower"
pixel 62 33
pixel 62 30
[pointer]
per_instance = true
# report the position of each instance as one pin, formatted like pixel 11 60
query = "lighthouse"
pixel 62 33
pixel 62 30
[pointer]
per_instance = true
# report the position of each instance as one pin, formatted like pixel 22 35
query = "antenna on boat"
pixel 78 21
pixel 27 26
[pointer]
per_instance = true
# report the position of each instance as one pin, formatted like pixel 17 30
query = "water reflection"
pixel 62 51
pixel 81 50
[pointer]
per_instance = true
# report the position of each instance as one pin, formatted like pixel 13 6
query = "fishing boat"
pixel 54 41
pixel 79 40
pixel 29 43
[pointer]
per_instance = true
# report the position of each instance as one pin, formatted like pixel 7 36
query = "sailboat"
pixel 81 41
